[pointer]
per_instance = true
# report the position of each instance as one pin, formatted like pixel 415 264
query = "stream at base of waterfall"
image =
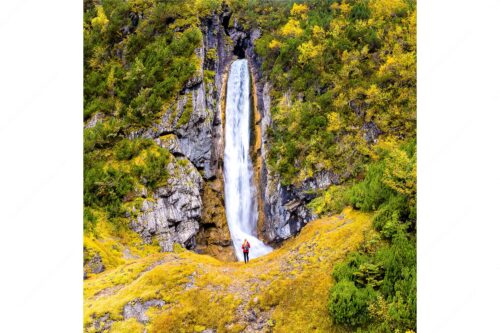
pixel 239 188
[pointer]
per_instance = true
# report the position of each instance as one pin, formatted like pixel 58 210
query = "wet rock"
pixel 214 230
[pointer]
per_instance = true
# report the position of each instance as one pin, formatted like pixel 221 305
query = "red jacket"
pixel 245 248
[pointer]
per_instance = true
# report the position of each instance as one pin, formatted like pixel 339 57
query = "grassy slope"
pixel 288 288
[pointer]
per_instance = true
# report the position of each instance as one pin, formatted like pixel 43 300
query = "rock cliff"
pixel 189 208
pixel 174 214
pixel 196 204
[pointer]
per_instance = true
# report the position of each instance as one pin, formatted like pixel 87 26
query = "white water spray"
pixel 239 188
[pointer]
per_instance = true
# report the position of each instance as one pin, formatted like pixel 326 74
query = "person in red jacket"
pixel 245 247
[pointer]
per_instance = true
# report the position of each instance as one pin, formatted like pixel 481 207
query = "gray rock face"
pixel 94 120
pixel 170 142
pixel 195 137
pixel 175 213
pixel 285 208
pixel 200 137
pixel 137 309
pixel 95 264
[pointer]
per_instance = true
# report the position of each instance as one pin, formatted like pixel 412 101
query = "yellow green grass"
pixel 288 287
pixel 108 243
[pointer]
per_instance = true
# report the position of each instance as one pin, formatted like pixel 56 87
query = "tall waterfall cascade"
pixel 239 188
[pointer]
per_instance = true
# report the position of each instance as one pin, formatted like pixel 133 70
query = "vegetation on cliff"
pixel 343 73
pixel 343 94
pixel 138 56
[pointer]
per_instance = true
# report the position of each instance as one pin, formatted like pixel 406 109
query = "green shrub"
pixel 128 149
pixel 369 274
pixel 388 188
pixel 106 188
pixel 153 172
pixel 403 308
pixel 348 304
pixel 102 135
pixel 377 290
pixel 333 200
pixel 389 218
pixel 391 226
pixel 89 221
pixel 346 269
pixel 371 192
pixel 400 256
pixel 360 11
pixel 143 107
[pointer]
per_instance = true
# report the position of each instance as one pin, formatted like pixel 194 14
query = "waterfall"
pixel 239 188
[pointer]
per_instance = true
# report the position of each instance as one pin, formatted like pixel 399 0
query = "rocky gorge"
pixel 189 209
pixel 212 122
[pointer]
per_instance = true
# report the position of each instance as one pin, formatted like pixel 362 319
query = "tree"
pixel 299 10
pixel 101 20
pixel 400 173
pixel 309 51
pixel 292 29
pixel 334 122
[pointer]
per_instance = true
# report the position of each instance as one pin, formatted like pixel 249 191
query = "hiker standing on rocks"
pixel 245 247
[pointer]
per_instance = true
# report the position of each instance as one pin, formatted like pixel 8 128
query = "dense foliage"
pixel 134 62
pixel 376 286
pixel 343 72
pixel 343 75
pixel 138 56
